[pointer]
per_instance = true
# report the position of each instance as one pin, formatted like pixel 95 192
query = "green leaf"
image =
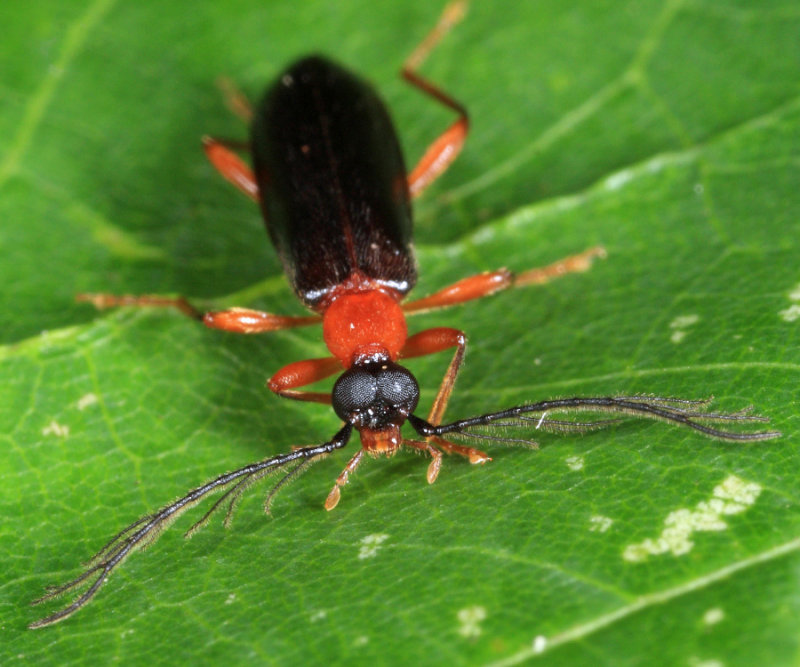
pixel 668 131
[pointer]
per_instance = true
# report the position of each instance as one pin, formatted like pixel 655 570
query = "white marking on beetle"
pixel 230 599
pixel 713 616
pixel 86 400
pixel 600 524
pixel 54 428
pixel 733 496
pixel 370 545
pixel 679 326
pixel 470 617
pixel 575 462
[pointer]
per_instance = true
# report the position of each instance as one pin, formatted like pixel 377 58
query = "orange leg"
pixel 441 153
pixel 436 457
pixel 220 152
pixel 473 455
pixel 572 264
pixel 427 342
pixel 466 289
pixel 485 284
pixel 247 321
pixel 435 340
pixel 333 497
pixel 301 373
pixel 103 301
pixel 232 168
pixel 235 99
pixel 236 320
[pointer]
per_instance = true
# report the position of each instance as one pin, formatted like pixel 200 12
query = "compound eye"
pixel 398 387
pixel 355 390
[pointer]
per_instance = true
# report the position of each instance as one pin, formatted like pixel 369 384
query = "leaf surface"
pixel 669 132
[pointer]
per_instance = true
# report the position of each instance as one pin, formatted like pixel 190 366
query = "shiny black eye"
pixel 355 390
pixel 397 386
pixel 375 395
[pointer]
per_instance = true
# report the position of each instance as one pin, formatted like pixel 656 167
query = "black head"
pixel 375 395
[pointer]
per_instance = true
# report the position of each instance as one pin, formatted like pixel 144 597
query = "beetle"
pixel 332 184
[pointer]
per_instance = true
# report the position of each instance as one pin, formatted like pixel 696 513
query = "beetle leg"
pixel 427 342
pixel 446 147
pixel 435 340
pixel 436 457
pixel 572 264
pixel 301 373
pixel 466 289
pixel 232 168
pixel 103 301
pixel 235 320
pixel 247 321
pixel 333 497
pixel 487 283
pixel 235 99
pixel 473 455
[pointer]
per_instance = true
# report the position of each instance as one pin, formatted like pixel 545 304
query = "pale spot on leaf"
pixel 694 661
pixel 470 618
pixel 677 336
pixel 600 524
pixel 790 314
pixel 54 428
pixel 733 496
pixel 370 545
pixel 575 462
pixel 86 400
pixel 713 616
pixel 679 326
pixel 616 181
pixel 683 321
